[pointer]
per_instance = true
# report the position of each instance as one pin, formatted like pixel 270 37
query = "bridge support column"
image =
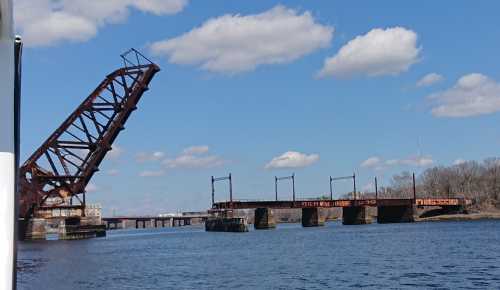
pixel 355 215
pixel 396 214
pixel 224 224
pixel 312 217
pixel 264 219
pixel 111 225
pixel 138 224
pixel 33 229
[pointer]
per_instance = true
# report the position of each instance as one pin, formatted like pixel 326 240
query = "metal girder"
pixel 371 202
pixel 63 165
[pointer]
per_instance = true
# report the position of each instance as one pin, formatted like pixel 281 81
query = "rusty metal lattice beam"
pixel 63 165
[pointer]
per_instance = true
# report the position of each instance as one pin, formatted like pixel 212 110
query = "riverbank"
pixel 463 217
pixel 284 216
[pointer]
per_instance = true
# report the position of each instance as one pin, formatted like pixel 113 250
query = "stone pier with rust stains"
pixel 62 228
pixel 264 219
pixel 312 217
pixel 396 214
pixel 226 224
pixel 355 215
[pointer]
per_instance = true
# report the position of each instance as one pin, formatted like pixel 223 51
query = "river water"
pixel 441 255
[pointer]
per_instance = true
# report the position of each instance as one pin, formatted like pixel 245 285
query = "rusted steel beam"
pixel 439 201
pixel 63 165
pixel 340 203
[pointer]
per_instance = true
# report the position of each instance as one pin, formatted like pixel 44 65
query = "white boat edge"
pixel 7 148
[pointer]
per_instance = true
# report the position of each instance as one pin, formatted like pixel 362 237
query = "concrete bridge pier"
pixel 355 215
pixel 113 225
pixel 312 217
pixel 33 229
pixel 396 214
pixel 264 219
pixel 138 222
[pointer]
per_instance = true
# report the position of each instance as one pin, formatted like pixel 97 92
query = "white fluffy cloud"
pixel 193 150
pixel 152 173
pixel 419 161
pixel 473 94
pixel 191 161
pixel 47 22
pixel 115 153
pixel 371 162
pixel 292 159
pixel 379 163
pixel 194 157
pixel 113 172
pixel 91 187
pixel 459 161
pixel 190 157
pixel 379 52
pixel 236 43
pixel 153 156
pixel 429 79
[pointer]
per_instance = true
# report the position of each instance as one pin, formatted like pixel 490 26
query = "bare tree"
pixel 401 184
pixel 491 177
pixel 479 181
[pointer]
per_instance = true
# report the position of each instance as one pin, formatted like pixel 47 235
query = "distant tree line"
pixel 479 181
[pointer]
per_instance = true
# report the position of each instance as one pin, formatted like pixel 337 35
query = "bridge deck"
pixel 281 204
pixel 148 218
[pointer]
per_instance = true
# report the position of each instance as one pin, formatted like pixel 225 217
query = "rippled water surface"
pixel 443 255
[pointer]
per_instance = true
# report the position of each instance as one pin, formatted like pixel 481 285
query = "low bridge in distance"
pixel 153 221
pixel 354 211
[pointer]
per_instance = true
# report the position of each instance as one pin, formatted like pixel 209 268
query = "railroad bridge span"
pixel 354 211
pixel 153 221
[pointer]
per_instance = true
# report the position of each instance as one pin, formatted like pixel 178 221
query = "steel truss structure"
pixel 56 175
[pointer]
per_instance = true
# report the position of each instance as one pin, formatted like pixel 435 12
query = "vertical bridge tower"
pixel 54 178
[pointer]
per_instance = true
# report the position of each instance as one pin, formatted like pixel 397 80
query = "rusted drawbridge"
pixel 56 175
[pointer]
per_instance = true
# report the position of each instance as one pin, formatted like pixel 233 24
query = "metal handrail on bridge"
pixel 353 176
pixel 276 179
pixel 215 179
pixel 294 199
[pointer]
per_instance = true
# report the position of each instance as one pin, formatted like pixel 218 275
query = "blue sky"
pixel 241 82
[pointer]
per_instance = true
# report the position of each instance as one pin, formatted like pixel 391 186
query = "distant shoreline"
pixel 462 217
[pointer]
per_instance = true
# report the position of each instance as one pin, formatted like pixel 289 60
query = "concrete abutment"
pixel 226 224
pixel 312 217
pixel 264 219
pixel 63 228
pixel 355 215
pixel 396 214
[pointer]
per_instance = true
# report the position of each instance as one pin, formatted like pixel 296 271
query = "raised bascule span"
pixel 53 179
